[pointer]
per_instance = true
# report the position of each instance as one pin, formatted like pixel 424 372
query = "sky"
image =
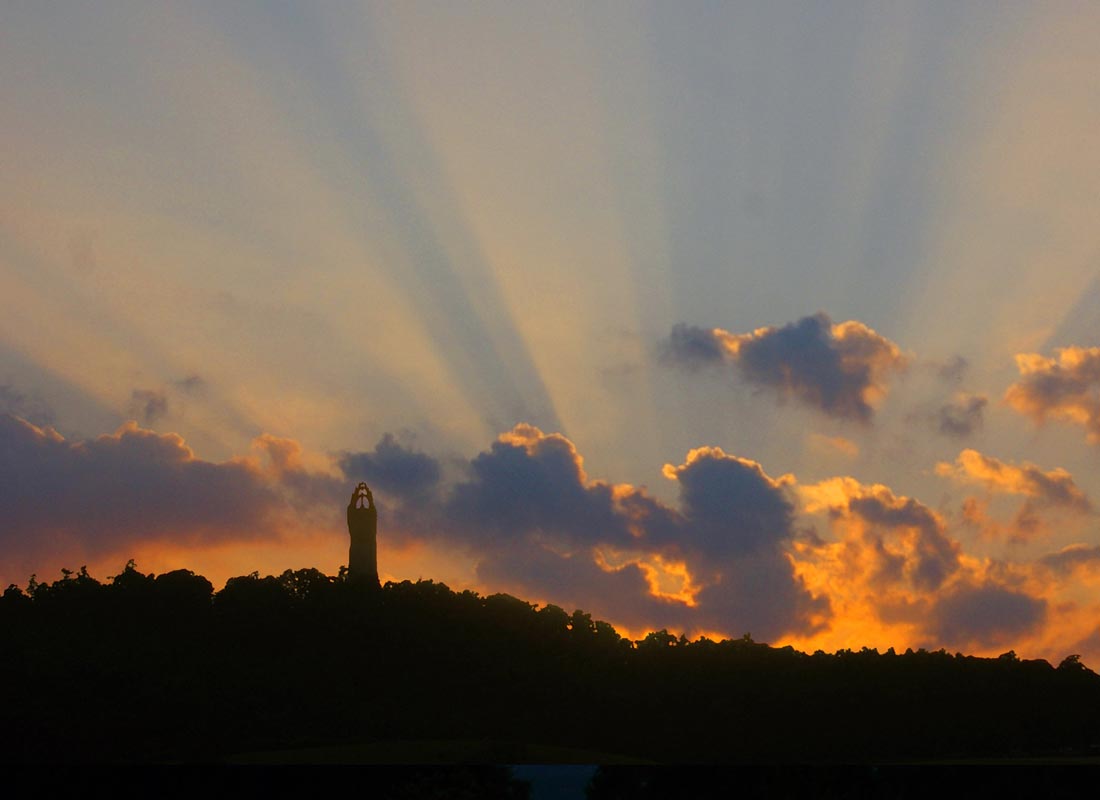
pixel 767 318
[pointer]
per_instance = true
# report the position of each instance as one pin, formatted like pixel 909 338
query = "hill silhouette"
pixel 162 668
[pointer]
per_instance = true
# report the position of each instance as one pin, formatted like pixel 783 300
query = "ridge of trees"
pixel 162 667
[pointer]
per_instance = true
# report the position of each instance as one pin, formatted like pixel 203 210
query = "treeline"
pixel 162 668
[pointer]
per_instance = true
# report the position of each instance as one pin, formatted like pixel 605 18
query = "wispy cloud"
pixel 1054 487
pixel 962 416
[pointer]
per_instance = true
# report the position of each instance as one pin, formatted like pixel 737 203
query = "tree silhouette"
pixel 161 667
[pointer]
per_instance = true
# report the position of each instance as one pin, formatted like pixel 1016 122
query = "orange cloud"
pixel 886 541
pixel 1026 524
pixel 896 578
pixel 1054 487
pixel 834 444
pixel 1066 387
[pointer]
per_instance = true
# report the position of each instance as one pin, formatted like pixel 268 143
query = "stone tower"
pixel 363 528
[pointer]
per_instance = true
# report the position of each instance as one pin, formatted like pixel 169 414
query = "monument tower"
pixel 363 528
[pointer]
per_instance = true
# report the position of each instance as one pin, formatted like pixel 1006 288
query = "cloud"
pixel 537 524
pixel 738 522
pixel 1026 524
pixel 953 370
pixel 152 405
pixel 728 557
pixel 33 409
pixel 1066 387
pixel 99 496
pixel 692 347
pixel 394 469
pixel 984 616
pixel 962 416
pixel 841 369
pixel 623 593
pixel 833 444
pixel 894 575
pixel 1088 646
pixel 731 507
pixel 762 594
pixel 149 405
pixel 1069 558
pixel 303 486
pixel 1055 487
pixel 888 541
pixel 529 482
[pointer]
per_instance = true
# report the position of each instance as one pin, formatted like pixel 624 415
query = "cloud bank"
pixel 739 551
pixel 101 496
pixel 539 526
pixel 734 554
pixel 18 404
pixel 893 564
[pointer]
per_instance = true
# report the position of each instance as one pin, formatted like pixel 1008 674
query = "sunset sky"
pixel 779 318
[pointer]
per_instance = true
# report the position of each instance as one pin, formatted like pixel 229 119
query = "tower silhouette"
pixel 363 529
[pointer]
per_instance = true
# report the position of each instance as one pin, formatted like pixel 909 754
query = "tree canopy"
pixel 162 667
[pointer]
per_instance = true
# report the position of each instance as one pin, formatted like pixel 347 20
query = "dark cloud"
pixel 755 594
pixel 1068 558
pixel 1066 387
pixel 538 526
pixel 962 416
pixel 834 368
pixel 148 405
pixel 737 522
pixel 33 409
pixel 529 482
pixel 731 507
pixel 984 616
pixel 577 581
pixel 129 485
pixel 152 405
pixel 525 510
pixel 692 347
pixel 838 369
pixel 97 496
pixel 760 594
pixel 394 469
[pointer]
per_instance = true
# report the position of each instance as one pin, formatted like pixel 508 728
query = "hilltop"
pixel 163 668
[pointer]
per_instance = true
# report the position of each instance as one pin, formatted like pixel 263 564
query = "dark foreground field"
pixel 308 668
